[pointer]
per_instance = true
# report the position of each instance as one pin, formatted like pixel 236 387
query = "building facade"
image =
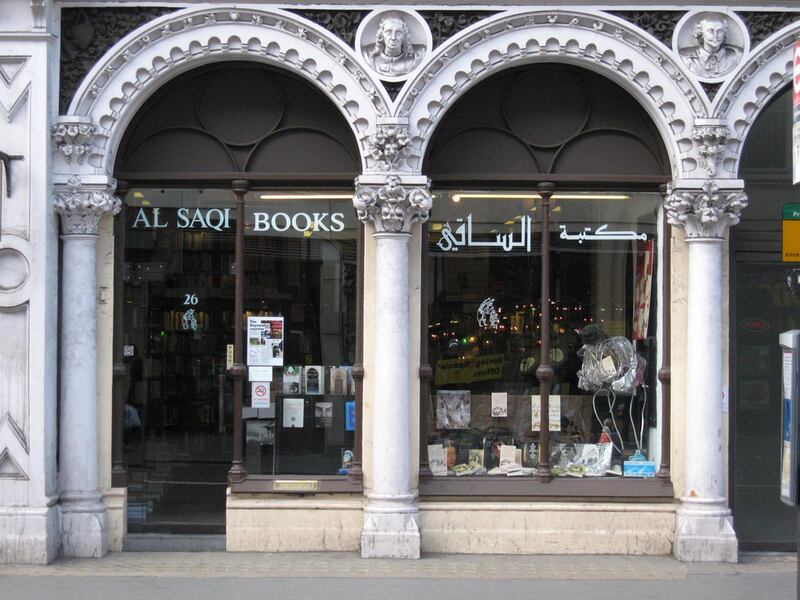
pixel 309 276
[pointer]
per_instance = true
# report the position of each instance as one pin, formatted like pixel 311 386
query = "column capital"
pixel 705 213
pixel 392 202
pixel 81 205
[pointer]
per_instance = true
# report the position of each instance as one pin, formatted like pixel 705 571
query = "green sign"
pixel 791 212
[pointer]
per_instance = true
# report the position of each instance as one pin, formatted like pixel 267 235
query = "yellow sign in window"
pixel 791 233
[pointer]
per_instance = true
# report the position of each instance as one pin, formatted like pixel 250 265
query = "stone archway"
pixel 164 48
pixel 748 92
pixel 593 40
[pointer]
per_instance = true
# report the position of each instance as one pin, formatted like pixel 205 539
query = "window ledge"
pixel 322 484
pixel 565 487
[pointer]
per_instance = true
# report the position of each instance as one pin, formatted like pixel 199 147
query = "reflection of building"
pixel 188 137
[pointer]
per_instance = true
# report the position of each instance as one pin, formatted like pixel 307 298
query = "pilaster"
pixel 704 524
pixel 29 512
pixel 391 203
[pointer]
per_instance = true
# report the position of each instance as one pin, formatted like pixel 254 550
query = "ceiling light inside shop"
pixel 306 196
pixel 489 196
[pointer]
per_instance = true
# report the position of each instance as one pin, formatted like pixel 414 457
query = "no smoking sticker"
pixel 259 394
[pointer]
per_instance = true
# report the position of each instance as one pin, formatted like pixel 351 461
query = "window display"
pixel 483 287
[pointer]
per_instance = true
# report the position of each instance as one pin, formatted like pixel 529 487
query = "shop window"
pixel 301 275
pixel 483 289
pixel 300 285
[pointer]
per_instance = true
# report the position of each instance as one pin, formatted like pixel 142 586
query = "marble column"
pixel 391 204
pixel 704 525
pixel 83 515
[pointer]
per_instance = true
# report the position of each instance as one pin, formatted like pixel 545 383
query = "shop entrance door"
pixel 178 321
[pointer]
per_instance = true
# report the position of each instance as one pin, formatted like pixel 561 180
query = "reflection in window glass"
pixel 483 293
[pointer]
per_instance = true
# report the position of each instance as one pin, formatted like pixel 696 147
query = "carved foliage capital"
pixel 74 140
pixel 392 207
pixel 704 213
pixel 81 207
pixel 710 139
pixel 389 146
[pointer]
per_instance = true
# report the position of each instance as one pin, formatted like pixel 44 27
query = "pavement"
pixel 345 576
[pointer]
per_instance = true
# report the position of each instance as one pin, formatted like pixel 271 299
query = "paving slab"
pixel 346 576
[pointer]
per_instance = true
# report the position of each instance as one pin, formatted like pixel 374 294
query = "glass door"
pixel 178 321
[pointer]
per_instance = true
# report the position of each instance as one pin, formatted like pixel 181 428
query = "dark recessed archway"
pixel 547 122
pixel 238 120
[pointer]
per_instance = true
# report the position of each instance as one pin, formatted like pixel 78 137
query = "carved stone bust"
pixel 394 52
pixel 712 55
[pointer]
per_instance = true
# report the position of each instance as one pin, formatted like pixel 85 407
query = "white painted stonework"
pixel 704 525
pixel 67 164
pixel 83 514
pixel 29 512
pixel 391 204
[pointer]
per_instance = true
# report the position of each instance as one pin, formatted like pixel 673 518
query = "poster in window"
pixel 323 415
pixel 293 413
pixel 340 381
pixel 453 409
pixel 350 415
pixel 292 379
pixel 314 376
pixel 555 413
pixel 499 404
pixel 642 289
pixel 265 341
pixel 436 461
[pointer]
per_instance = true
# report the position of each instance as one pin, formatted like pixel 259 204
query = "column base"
pixel 390 535
pixel 84 526
pixel 704 533
pixel 29 535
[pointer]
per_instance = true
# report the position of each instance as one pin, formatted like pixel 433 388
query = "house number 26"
pixel 190 300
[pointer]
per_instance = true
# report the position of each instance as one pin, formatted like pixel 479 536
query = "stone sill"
pixel 327 484
pixel 559 487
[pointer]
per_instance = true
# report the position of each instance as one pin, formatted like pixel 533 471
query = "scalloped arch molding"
pixel 589 39
pixel 762 76
pixel 166 47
